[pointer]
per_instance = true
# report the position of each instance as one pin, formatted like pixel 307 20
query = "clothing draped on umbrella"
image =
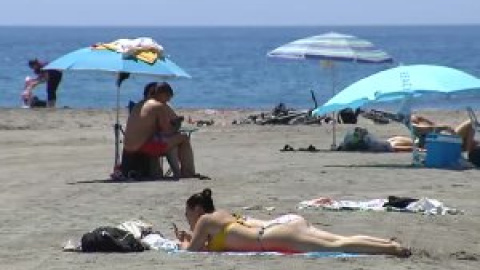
pixel 123 57
pixel 332 47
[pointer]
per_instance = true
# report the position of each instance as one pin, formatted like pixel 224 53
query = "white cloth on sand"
pixel 136 227
pixel 155 241
pixel 424 205
pixel 432 207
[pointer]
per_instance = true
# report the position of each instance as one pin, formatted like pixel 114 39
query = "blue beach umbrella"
pixel 94 59
pixel 409 87
pixel 332 47
pixel 416 86
pixel 111 61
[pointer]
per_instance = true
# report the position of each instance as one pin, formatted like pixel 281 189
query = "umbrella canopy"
pixel 405 83
pixel 111 61
pixel 121 57
pixel 332 46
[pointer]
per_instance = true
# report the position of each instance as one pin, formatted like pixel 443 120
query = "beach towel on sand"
pixel 424 205
pixel 159 243
pixel 140 237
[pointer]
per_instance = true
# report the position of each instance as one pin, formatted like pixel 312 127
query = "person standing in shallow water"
pixel 51 77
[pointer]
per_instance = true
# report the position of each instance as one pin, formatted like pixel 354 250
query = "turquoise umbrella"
pixel 416 86
pixel 106 60
pixel 409 87
pixel 122 64
pixel 332 47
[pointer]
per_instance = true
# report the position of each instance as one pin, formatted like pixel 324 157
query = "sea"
pixel 229 65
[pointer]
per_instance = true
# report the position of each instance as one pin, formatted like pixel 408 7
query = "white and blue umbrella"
pixel 416 86
pixel 94 59
pixel 332 47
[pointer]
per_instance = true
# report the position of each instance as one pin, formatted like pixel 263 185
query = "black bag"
pixel 474 156
pixel 110 239
pixel 38 103
pixel 348 116
pixel 399 202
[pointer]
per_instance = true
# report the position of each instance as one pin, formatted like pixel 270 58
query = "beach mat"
pixel 159 243
pixel 267 254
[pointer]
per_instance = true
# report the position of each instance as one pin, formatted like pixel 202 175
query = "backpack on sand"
pixel 110 239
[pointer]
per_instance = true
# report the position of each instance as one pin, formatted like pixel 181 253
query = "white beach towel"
pixel 130 46
pixel 155 241
pixel 425 206
pixel 432 207
pixel 330 204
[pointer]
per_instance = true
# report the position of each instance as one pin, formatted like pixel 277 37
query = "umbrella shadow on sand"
pixel 379 166
pixel 131 181
pixel 110 181
pixel 400 166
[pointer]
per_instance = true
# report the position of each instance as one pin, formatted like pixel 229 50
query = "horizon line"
pixel 242 25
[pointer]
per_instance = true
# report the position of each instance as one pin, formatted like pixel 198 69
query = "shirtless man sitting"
pixel 152 131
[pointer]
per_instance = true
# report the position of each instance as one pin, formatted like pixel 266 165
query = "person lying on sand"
pixel 219 230
pixel 422 126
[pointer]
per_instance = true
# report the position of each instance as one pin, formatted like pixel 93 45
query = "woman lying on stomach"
pixel 219 230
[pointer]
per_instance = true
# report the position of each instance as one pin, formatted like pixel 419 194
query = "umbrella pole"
pixel 334 123
pixel 117 129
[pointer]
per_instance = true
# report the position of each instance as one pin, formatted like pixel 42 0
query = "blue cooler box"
pixel 442 150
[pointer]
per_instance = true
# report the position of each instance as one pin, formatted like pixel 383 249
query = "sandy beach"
pixel 55 165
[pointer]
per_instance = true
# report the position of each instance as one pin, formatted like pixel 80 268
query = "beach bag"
pixel 110 239
pixel 474 156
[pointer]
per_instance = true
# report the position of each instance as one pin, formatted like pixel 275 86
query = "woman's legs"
pixel 321 234
pixel 401 143
pixel 297 237
pixel 356 244
pixel 185 154
pixel 466 132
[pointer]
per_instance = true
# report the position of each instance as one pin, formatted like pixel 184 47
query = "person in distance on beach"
pixel 51 77
pixel 219 230
pixel 422 126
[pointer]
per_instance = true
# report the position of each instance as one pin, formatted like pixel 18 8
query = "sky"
pixel 238 12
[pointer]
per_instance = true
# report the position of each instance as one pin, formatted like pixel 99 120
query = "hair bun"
pixel 207 193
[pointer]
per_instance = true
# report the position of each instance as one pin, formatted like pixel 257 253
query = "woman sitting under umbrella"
pixel 421 126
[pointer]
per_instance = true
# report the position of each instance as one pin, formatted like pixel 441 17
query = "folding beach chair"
pixel 473 120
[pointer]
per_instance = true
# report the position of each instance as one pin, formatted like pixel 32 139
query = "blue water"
pixel 228 64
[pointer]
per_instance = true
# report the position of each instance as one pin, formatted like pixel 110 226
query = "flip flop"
pixel 287 148
pixel 310 148
pixel 201 177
